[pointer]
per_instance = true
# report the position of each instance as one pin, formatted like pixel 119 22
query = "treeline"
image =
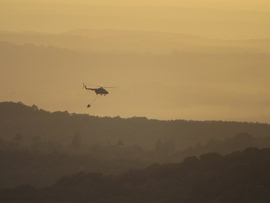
pixel 238 142
pixel 214 178
pixel 37 147
pixel 31 124
pixel 41 164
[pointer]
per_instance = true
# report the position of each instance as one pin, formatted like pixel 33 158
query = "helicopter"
pixel 100 90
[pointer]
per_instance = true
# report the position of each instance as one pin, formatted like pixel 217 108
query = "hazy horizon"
pixel 199 60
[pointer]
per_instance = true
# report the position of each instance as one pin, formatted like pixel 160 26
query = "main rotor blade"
pixel 98 86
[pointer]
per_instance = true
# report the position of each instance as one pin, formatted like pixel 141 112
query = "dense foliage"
pixel 38 147
pixel 34 123
pixel 213 178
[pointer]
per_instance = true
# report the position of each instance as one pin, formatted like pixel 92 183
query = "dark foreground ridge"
pixel 212 178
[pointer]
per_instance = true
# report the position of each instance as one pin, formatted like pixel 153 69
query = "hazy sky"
pixel 214 19
pixel 198 87
pixel 262 5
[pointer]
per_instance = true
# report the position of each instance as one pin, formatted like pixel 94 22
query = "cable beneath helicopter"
pixel 92 101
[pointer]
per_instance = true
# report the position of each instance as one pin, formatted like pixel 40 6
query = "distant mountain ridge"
pixel 169 86
pixel 138 41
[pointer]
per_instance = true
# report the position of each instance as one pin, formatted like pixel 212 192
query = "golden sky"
pixel 208 18
pixel 199 60
pixel 225 4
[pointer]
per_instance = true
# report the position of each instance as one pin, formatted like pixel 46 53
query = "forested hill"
pixel 31 123
pixel 37 147
pixel 242 177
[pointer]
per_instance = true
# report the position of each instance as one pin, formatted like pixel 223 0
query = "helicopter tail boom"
pixel 84 86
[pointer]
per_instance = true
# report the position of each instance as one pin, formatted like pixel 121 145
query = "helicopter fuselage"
pixel 100 91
